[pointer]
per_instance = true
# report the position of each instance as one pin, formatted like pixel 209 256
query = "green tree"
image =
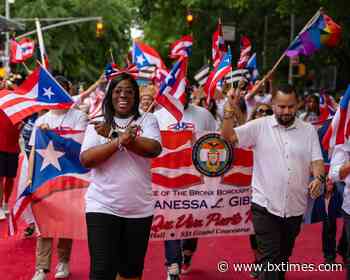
pixel 164 21
pixel 74 50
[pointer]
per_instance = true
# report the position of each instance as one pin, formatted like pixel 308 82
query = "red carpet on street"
pixel 18 257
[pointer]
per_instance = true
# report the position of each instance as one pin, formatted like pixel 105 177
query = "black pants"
pixel 275 237
pixel 347 229
pixel 117 245
pixel 329 242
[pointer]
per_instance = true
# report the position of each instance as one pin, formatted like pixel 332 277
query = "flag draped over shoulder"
pixel 38 92
pixel 58 183
pixel 323 31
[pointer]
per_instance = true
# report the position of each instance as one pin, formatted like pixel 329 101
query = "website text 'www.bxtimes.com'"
pixel 224 266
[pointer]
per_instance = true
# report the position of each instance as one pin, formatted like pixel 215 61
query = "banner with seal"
pixel 201 187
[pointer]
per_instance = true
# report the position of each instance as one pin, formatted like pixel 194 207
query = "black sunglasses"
pixel 267 111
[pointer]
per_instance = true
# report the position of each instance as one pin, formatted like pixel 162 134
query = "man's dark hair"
pixel 285 89
pixel 107 105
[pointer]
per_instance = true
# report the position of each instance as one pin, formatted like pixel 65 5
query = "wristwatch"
pixel 114 134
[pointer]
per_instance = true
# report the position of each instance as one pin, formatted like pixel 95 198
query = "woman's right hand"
pixel 101 128
pixel 129 135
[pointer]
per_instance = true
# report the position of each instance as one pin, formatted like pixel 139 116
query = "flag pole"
pixel 41 42
pixel 111 53
pixel 26 67
pixel 273 69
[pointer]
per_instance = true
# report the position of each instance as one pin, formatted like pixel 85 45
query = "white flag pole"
pixel 41 42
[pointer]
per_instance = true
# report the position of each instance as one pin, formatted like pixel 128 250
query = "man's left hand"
pixel 315 188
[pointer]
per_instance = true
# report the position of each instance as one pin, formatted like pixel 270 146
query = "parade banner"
pixel 201 187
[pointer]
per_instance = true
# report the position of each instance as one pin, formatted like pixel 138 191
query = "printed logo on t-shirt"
pixel 181 126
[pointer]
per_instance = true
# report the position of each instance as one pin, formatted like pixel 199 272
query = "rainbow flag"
pixel 323 31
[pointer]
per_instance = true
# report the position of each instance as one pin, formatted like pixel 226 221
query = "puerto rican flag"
pixel 219 72
pixel 172 92
pixel 253 68
pixel 327 108
pixel 218 45
pixel 144 56
pixel 246 48
pixel 22 50
pixel 181 47
pixel 38 92
pixel 339 129
pixel 57 169
pixel 112 71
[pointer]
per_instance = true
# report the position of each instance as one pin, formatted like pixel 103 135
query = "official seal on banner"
pixel 212 155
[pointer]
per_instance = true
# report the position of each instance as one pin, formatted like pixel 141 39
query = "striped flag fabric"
pixel 57 173
pixel 246 48
pixel 38 92
pixel 202 75
pixel 171 94
pixel 339 129
pixel 218 45
pixel 236 75
pixel 22 50
pixel 181 47
pixel 144 56
pixel 219 72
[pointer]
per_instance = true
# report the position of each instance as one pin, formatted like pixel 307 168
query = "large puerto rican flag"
pixel 171 94
pixel 219 72
pixel 38 92
pixel 58 186
pixel 339 130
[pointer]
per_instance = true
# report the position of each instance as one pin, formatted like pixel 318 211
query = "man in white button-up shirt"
pixel 286 149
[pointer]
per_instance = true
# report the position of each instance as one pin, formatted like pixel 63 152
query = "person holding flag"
pixel 119 203
pixel 60 120
pixel 280 184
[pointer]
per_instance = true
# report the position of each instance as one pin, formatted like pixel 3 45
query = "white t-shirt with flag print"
pixel 121 185
pixel 195 118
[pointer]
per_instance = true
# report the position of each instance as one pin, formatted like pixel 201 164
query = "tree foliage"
pixel 74 50
pixel 165 20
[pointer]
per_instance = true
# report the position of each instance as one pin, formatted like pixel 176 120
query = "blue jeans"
pixel 174 248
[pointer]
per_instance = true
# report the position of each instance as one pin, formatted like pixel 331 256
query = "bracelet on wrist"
pixel 322 178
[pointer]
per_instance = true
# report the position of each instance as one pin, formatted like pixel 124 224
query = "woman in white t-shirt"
pixel 119 204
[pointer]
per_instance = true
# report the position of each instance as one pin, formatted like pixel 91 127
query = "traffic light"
pixel 302 70
pixel 99 29
pixel 189 18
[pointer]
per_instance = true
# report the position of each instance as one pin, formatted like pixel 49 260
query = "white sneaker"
pixel 5 207
pixel 62 270
pixel 39 275
pixel 2 215
pixel 173 272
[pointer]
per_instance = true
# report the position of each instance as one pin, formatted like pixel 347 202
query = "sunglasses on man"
pixel 265 111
